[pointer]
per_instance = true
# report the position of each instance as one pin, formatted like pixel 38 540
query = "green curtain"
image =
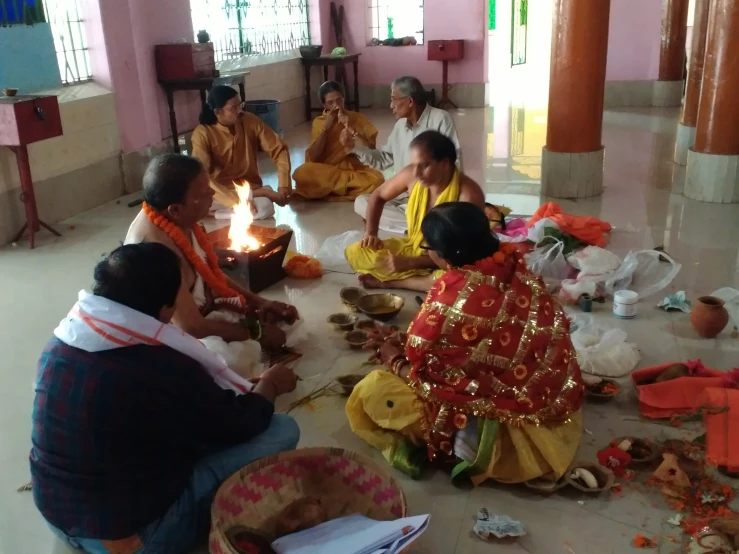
pixel 491 15
pixel 21 12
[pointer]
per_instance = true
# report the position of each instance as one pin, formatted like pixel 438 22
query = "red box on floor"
pixel 28 119
pixel 177 62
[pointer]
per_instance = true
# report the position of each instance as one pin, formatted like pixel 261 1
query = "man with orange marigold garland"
pixel 487 374
pixel 177 196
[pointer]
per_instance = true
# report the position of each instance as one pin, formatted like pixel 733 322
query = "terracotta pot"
pixel 708 316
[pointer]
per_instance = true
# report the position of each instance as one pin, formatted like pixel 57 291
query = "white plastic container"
pixel 625 304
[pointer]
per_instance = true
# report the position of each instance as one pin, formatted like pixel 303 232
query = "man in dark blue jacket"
pixel 131 443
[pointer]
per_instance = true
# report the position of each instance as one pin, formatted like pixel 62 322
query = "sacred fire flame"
pixel 241 240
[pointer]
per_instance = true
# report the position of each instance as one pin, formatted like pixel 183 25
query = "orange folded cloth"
pixel 673 398
pixel 590 230
pixel 722 448
pixel 303 267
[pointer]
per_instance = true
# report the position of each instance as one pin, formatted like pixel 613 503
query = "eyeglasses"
pixel 395 100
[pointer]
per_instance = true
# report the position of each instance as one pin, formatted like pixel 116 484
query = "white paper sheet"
pixel 355 534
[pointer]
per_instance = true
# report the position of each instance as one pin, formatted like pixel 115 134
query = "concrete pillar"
pixel 669 86
pixel 713 163
pixel 686 127
pixel 572 160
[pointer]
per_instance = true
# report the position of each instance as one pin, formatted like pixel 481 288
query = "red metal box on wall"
pixel 446 50
pixel 28 119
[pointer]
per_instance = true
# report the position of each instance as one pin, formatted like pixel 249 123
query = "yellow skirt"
pixel 336 183
pixel 370 262
pixel 383 411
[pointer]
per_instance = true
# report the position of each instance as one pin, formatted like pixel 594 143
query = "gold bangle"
pixel 398 365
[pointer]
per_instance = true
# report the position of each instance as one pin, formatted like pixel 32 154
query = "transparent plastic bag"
pixel 331 253
pixel 731 298
pixel 604 352
pixel 547 260
pixel 644 273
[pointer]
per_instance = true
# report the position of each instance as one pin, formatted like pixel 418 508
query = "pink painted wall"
pixel 162 22
pixel 380 65
pixel 93 30
pixel 634 40
pixel 122 36
pixel 319 18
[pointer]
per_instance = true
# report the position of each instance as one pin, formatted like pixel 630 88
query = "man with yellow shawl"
pixel 487 372
pixel 330 170
pixel 432 179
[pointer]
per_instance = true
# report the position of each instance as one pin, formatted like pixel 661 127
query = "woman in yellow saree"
pixel 330 170
pixel 432 179
pixel 487 374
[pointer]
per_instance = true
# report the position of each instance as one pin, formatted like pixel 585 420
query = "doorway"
pixel 519 48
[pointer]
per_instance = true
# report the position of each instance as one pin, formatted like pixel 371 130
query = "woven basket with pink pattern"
pixel 345 482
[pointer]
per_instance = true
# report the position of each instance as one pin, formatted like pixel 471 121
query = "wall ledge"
pixel 246 62
pixel 643 94
pixel 78 91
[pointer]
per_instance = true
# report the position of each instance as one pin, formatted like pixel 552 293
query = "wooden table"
pixel 339 64
pixel 203 85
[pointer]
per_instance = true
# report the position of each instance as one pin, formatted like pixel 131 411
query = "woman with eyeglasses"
pixel 432 179
pixel 486 377
pixel 227 142
pixel 331 171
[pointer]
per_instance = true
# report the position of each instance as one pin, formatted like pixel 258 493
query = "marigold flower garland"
pixel 210 272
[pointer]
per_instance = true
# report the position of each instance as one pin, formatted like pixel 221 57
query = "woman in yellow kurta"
pixel 228 141
pixel 432 179
pixel 330 170
pixel 487 372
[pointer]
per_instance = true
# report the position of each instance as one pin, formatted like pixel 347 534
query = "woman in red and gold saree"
pixel 487 371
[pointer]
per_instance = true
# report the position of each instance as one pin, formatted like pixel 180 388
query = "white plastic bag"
pixel 548 262
pixel 537 230
pixel 593 260
pixel 604 352
pixel 595 265
pixel 331 253
pixel 573 289
pixel 642 272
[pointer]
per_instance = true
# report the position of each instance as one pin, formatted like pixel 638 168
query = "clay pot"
pixel 708 316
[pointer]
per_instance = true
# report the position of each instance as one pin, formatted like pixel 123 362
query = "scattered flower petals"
pixel 640 541
pixel 614 459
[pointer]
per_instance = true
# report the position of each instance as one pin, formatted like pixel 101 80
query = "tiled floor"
pixel 502 149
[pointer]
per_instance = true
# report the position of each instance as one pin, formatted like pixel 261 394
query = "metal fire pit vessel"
pixel 261 267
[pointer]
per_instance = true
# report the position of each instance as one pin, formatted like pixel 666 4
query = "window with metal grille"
pixel 519 31
pixel 396 19
pixel 252 27
pixel 66 28
pixel 69 40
